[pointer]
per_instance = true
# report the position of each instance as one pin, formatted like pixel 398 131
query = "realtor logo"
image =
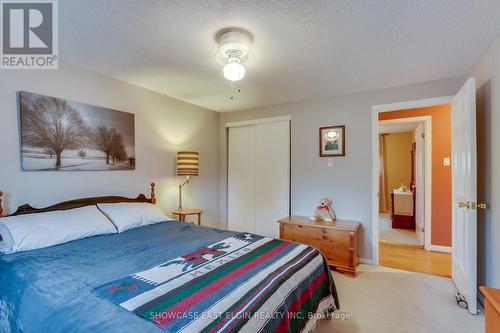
pixel 29 34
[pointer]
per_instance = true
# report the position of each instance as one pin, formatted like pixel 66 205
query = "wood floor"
pixel 414 259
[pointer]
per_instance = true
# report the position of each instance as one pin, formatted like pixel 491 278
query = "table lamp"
pixel 187 165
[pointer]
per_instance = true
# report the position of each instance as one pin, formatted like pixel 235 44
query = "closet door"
pixel 258 177
pixel 272 176
pixel 241 179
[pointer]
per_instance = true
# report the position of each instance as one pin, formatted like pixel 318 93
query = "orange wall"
pixel 441 176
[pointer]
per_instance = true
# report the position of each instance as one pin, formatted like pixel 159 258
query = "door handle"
pixel 482 205
pixel 472 205
pixel 479 205
pixel 464 205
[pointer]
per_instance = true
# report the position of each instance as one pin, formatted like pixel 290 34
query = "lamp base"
pixel 180 196
pixel 180 191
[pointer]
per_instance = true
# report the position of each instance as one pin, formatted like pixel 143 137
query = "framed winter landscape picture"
pixel 61 135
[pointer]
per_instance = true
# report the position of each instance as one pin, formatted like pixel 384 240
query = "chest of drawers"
pixel 338 240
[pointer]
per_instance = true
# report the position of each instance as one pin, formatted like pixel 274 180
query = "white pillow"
pixel 39 230
pixel 7 242
pixel 129 215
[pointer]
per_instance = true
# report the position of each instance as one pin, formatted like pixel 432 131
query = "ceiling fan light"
pixel 234 71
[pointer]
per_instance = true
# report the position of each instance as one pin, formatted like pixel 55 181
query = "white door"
pixel 420 182
pixel 272 176
pixel 464 218
pixel 241 179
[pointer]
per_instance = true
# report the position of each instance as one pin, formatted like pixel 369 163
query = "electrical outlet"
pixel 446 161
pixel 330 162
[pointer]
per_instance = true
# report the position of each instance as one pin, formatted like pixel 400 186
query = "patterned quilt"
pixel 246 283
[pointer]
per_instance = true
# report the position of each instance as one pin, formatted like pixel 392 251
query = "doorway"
pixel 405 212
pixel 463 198
pixel 402 207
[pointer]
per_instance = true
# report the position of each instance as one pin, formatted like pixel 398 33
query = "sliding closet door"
pixel 241 179
pixel 258 177
pixel 272 187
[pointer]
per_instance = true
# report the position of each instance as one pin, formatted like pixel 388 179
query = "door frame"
pixel 258 121
pixel 376 109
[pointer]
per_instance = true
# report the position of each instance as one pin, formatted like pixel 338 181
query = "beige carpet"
pixel 388 300
pixel 395 235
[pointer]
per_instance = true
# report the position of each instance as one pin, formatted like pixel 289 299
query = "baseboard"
pixel 439 248
pixel 365 261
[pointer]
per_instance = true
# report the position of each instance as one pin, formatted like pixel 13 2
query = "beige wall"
pixel 398 159
pixel 162 126
pixel 349 181
pixel 487 74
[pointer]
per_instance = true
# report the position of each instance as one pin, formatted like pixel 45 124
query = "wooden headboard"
pixel 77 203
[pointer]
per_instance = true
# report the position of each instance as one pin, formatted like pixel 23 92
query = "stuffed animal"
pixel 324 212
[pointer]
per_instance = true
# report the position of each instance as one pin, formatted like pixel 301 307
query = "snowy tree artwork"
pixel 61 135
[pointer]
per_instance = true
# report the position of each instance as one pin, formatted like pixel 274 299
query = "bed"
pixel 88 285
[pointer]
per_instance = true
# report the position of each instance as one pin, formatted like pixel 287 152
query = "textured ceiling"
pixel 302 49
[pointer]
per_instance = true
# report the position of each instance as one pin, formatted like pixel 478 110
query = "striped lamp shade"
pixel 187 163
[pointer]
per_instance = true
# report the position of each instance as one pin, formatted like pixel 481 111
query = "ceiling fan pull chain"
pixel 233 88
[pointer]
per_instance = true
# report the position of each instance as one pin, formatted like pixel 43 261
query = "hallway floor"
pixel 397 235
pixel 414 259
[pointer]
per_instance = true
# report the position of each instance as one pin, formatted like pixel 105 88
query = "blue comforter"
pixel 50 290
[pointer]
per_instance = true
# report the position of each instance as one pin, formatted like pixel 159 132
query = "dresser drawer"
pixel 336 255
pixel 340 248
pixel 338 239
pixel 303 234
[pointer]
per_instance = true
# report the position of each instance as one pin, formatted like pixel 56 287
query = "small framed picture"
pixel 332 141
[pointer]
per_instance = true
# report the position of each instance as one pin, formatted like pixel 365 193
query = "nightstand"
pixel 182 213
